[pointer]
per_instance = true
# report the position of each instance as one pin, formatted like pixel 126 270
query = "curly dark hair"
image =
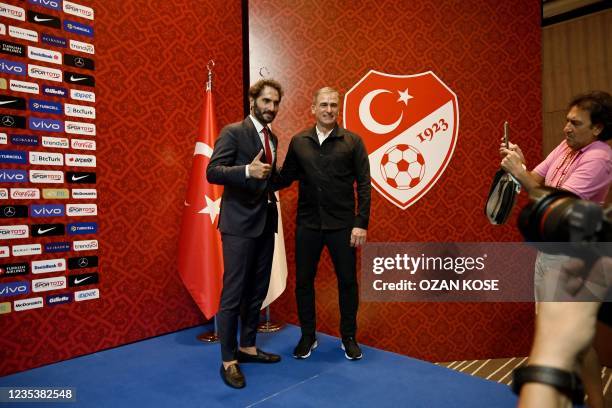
pixel 599 106
pixel 257 87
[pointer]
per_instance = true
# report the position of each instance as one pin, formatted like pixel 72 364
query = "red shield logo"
pixel 409 126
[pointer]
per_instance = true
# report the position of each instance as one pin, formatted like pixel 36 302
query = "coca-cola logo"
pixel 25 194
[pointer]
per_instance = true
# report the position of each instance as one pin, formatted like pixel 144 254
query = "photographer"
pixel 581 164
pixel 563 337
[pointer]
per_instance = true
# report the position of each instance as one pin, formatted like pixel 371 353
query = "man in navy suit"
pixel 243 161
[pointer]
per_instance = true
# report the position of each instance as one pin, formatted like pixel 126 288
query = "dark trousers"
pixel 247 263
pixel 308 247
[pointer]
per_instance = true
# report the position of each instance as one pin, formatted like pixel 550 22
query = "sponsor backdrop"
pixel 488 54
pixel 99 111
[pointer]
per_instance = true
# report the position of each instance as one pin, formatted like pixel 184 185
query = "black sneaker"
pixel 351 348
pixel 305 347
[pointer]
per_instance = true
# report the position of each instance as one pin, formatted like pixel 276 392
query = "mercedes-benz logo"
pixel 79 62
pixel 83 262
pixel 8 121
pixel 9 211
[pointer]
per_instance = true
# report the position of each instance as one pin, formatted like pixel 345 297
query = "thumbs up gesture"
pixel 259 169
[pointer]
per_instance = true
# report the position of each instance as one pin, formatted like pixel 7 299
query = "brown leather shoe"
pixel 260 357
pixel 233 376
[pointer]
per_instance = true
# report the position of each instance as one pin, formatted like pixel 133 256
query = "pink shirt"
pixel 586 173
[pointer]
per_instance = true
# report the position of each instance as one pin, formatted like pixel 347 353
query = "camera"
pixel 554 215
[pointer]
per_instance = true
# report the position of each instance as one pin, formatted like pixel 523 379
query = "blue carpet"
pixel 176 370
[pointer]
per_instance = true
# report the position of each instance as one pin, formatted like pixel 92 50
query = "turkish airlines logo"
pixel 409 125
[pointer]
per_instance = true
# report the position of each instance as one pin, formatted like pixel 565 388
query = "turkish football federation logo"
pixel 409 125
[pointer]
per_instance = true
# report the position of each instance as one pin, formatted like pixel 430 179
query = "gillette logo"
pixel 54 300
pixel 55 91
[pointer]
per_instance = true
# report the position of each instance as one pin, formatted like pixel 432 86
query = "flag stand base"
pixel 269 327
pixel 208 337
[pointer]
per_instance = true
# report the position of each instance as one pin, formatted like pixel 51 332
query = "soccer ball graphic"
pixel 402 166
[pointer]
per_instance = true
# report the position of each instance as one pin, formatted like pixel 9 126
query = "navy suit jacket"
pixel 244 205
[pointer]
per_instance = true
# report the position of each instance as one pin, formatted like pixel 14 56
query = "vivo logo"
pixel 14 289
pixel 47 125
pixel 13 176
pixel 46 210
pixel 11 67
pixel 50 4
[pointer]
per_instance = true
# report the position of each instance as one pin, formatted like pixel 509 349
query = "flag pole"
pixel 210 337
pixel 267 326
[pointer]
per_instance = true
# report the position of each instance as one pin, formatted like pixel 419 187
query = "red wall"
pixel 150 71
pixel 488 53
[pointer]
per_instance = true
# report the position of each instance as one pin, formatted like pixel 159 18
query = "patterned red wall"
pixel 150 70
pixel 488 53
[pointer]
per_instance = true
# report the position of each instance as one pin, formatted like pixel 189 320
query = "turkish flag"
pixel 200 256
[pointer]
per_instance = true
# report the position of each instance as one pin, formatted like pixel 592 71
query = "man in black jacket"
pixel 328 161
pixel 243 161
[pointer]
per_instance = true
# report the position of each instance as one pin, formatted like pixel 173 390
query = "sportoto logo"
pixel 409 125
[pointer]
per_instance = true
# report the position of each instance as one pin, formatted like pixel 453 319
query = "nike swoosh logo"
pixel 72 78
pixel 75 178
pixel 77 281
pixel 42 231
pixel 6 102
pixel 41 20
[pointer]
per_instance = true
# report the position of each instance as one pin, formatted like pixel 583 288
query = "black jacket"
pixel 245 201
pixel 327 175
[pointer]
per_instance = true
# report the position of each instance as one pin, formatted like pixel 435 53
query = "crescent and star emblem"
pixel 212 207
pixel 365 113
